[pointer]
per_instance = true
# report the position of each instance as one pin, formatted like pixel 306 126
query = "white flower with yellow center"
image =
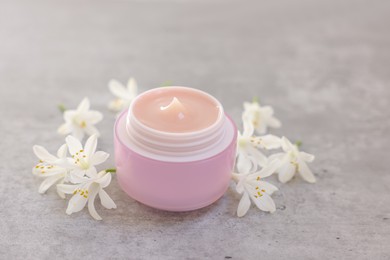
pixel 253 188
pixel 84 159
pixel 261 117
pixel 124 95
pixel 293 161
pixel 49 168
pixel 81 121
pixel 248 155
pixel 85 191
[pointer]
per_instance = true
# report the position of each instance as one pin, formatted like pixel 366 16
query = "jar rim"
pixel 131 116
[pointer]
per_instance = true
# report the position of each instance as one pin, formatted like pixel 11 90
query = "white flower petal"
pixel 305 172
pixel 287 145
pixel 267 170
pixel 61 194
pixel 83 106
pixel 265 203
pixel 78 176
pixel 91 200
pixel 268 187
pixel 93 117
pixel 247 105
pixel 276 156
pixel 62 151
pixel 98 158
pixel 66 188
pixel 90 145
pixel 105 180
pixel 306 157
pixel 244 164
pixel 74 144
pixel 267 110
pixel 43 154
pixel 48 182
pixel 274 122
pixel 76 203
pixel 66 163
pixel 241 181
pixel 106 201
pixel 132 87
pixel 92 130
pixel 116 105
pixel 64 129
pixel 259 157
pixel 118 90
pixel 261 128
pixel 243 205
pixel 91 172
pixel 248 127
pixel 286 172
pixel 48 172
pixel 78 132
pixel 270 142
pixel 69 115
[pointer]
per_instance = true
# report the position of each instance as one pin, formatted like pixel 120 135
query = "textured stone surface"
pixel 323 65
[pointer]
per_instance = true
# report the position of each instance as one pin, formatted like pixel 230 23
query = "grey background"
pixel 323 66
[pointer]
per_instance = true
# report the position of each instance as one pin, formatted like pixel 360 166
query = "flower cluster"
pixel 73 169
pixel 253 165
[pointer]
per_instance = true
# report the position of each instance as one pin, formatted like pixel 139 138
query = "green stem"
pixel 298 143
pixel 166 83
pixel 62 108
pixel 255 99
pixel 112 170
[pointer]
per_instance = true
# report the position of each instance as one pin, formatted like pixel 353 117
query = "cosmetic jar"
pixel 175 149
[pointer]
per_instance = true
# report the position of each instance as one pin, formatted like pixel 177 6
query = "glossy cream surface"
pixel 176 109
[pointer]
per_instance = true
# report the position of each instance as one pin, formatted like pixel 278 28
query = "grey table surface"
pixel 323 65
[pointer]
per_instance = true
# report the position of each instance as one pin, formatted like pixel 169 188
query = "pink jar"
pixel 175 171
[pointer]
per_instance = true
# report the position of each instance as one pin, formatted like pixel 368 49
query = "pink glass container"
pixel 174 171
